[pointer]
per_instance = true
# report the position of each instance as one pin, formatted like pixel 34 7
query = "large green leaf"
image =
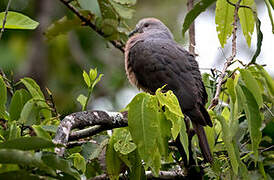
pixel 56 162
pixel 18 101
pixel 91 5
pixel 223 18
pixel 113 162
pixel 13 156
pixel 184 139
pixel 38 96
pixel 14 131
pixel 143 126
pixel 253 116
pixel 27 143
pixel 268 79
pixel 252 85
pixel 21 174
pixel 40 132
pixel 17 21
pixel 137 171
pixel 247 19
pixel 30 113
pixel 229 144
pixel 195 12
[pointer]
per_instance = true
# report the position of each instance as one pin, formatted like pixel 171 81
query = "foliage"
pixel 241 138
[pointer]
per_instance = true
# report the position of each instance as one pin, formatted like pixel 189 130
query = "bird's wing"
pixel 157 62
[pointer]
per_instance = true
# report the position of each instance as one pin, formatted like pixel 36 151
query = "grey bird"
pixel 153 59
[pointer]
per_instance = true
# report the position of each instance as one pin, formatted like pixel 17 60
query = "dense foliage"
pixel 241 139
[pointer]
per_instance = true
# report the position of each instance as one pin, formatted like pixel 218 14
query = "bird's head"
pixel 151 25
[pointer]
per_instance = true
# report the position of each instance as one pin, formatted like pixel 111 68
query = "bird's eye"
pixel 146 25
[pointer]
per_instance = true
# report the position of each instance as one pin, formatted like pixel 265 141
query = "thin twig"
pixel 116 43
pixel 215 100
pixel 5 19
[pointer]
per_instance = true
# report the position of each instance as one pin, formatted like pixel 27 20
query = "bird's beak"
pixel 133 32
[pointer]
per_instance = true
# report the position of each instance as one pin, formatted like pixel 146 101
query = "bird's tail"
pixel 199 129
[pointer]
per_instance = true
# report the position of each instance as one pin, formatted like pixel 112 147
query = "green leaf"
pixel 137 171
pixel 91 151
pixel 56 162
pixel 142 123
pixel 14 131
pixel 107 10
pixel 78 162
pixel 62 26
pixel 223 18
pixel 3 92
pixel 231 89
pixel 82 99
pixel 208 85
pixel 164 134
pixel 123 142
pixel 252 85
pixel 247 20
pixel 40 132
pixel 259 39
pixel 30 113
pixel 12 156
pixel 170 101
pixel 195 12
pixel 113 162
pixel 17 21
pixel 253 116
pixel 176 123
pixel 33 88
pixel 27 143
pixel 18 101
pixel 268 79
pixel 122 10
pixel 21 174
pixel 86 78
pixel 90 5
pixel 184 138
pixel 97 80
pixel 93 74
pixel 230 146
pixel 268 4
pixel 126 2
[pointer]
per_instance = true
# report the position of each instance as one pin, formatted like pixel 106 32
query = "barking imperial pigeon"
pixel 153 59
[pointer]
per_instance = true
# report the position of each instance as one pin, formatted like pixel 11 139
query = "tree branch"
pixel 191 30
pixel 5 19
pixel 215 100
pixel 108 120
pixel 116 43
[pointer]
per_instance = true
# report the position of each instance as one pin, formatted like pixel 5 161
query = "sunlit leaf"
pixel 247 20
pixel 143 125
pixel 126 2
pixel 223 18
pixel 86 78
pixel 122 10
pixel 195 12
pixel 17 20
pixel 123 142
pixel 3 98
pixel 78 162
pixel 30 113
pixel 97 80
pixel 14 131
pixel 82 99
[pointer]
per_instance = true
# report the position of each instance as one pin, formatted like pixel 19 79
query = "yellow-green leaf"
pixel 223 18
pixel 17 20
pixel 247 20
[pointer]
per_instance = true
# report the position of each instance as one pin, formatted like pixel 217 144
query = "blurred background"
pixel 58 64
